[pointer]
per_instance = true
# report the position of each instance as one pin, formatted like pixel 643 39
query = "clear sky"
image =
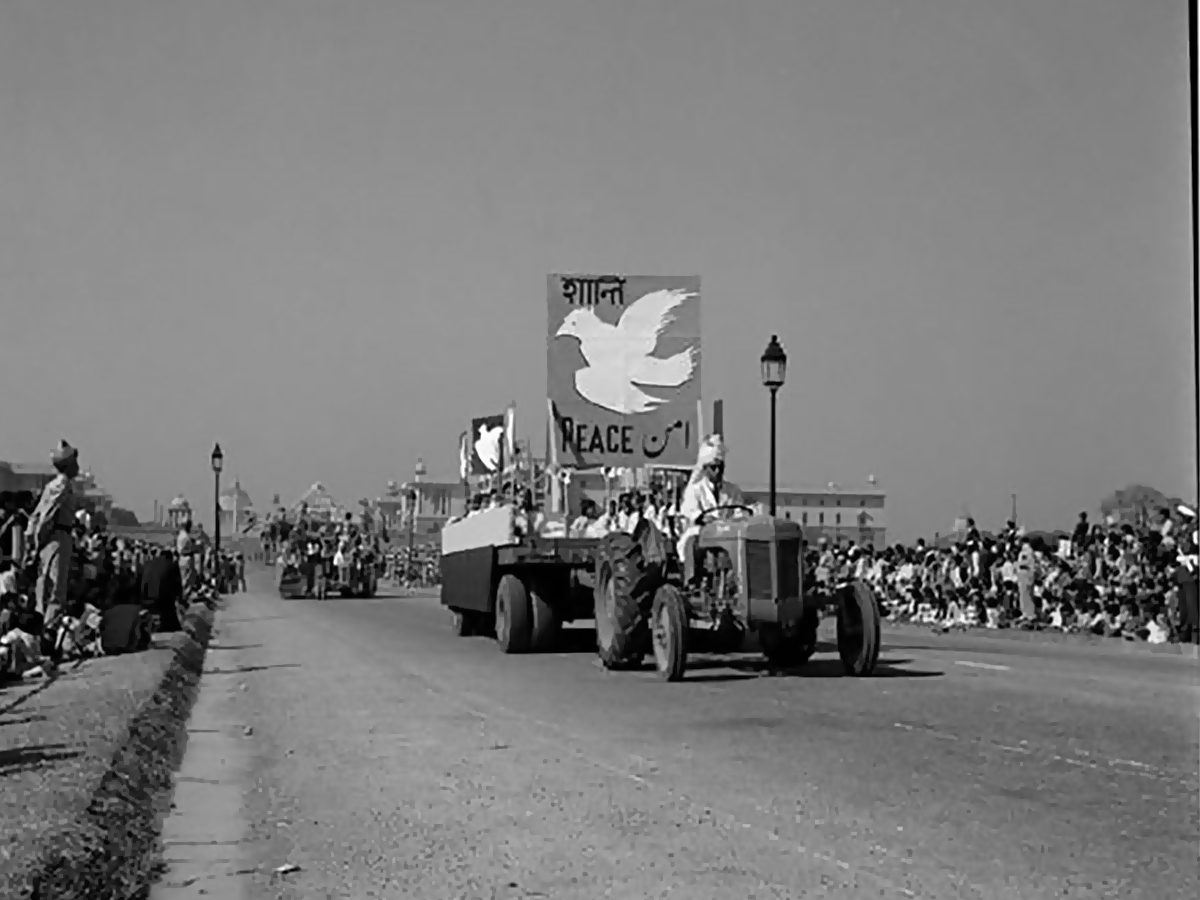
pixel 320 232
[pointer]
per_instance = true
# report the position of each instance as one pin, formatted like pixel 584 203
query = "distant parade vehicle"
pixel 319 556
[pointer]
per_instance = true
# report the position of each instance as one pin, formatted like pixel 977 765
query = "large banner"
pixel 623 364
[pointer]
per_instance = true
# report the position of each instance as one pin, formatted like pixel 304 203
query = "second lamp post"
pixel 774 370
pixel 218 462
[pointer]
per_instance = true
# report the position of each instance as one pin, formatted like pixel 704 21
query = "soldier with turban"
pixel 706 490
pixel 52 534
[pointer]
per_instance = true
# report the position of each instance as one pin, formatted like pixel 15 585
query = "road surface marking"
pixel 979 665
pixel 1089 761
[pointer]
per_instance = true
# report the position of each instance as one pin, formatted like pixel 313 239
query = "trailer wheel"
pixel 858 629
pixel 790 646
pixel 513 629
pixel 670 633
pixel 545 623
pixel 464 624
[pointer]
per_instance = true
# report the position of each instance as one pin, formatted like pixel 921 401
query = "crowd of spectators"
pixel 420 568
pixel 1135 582
pixel 120 590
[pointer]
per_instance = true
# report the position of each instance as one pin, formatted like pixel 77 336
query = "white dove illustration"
pixel 619 356
pixel 487 448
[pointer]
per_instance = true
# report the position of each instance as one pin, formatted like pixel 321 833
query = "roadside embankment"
pixel 86 766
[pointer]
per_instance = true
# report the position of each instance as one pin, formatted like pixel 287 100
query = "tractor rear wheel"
pixel 858 629
pixel 513 629
pixel 620 625
pixel 670 633
pixel 791 645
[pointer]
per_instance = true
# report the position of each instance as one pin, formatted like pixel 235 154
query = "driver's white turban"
pixel 712 450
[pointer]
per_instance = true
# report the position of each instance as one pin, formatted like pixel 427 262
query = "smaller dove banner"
pixel 623 369
pixel 487 442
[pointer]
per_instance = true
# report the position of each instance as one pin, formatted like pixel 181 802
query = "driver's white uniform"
pixel 700 497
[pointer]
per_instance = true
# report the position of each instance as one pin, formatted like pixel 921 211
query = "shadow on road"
pixel 26 720
pixel 825 664
pixel 23 759
pixel 244 669
pixel 234 646
pixel 576 640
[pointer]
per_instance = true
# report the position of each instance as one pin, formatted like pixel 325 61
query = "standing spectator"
pixel 52 532
pixel 162 589
pixel 1189 606
pixel 1079 537
pixel 1026 572
pixel 185 550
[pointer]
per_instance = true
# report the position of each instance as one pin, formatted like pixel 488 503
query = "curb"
pixel 112 850
pixel 1102 644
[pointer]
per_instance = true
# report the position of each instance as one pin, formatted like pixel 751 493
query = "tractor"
pixel 742 576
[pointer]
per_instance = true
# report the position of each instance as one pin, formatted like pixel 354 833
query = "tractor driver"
pixel 706 491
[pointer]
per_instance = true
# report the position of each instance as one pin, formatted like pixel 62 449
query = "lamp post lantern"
pixel 774 372
pixel 218 462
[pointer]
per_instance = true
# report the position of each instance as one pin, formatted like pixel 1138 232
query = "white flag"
pixel 510 436
pixel 464 455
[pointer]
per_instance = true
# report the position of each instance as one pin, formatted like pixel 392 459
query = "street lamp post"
pixel 774 371
pixel 218 461
pixel 412 525
pixel 414 498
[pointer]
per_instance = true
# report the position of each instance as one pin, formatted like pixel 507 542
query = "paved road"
pixel 392 757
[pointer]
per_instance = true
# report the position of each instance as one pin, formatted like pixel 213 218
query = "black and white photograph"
pixel 599 450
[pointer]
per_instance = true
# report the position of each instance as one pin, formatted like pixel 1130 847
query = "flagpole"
pixel 464 468
pixel 556 488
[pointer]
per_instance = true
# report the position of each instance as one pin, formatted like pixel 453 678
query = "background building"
pixel 237 509
pixel 31 478
pixel 841 513
pixel 178 512
pixel 433 502
pixel 838 512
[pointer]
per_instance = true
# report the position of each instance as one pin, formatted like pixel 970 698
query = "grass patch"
pixel 112 849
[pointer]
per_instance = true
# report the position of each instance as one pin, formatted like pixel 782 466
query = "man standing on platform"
pixel 51 531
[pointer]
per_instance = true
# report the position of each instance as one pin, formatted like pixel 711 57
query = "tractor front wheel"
pixel 669 632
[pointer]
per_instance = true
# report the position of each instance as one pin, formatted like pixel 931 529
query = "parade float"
pixel 623 393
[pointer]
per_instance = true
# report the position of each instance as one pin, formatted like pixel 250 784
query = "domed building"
pixel 237 510
pixel 178 512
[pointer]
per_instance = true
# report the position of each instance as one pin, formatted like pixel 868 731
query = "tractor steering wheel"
pixel 709 512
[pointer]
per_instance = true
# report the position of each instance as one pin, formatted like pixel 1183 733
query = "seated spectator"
pixel 1158 630
pixel 20 632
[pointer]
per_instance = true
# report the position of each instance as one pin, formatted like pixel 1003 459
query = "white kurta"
pixel 698 498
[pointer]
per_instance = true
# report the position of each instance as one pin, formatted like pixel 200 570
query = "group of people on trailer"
pixel 326 551
pixel 678 516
